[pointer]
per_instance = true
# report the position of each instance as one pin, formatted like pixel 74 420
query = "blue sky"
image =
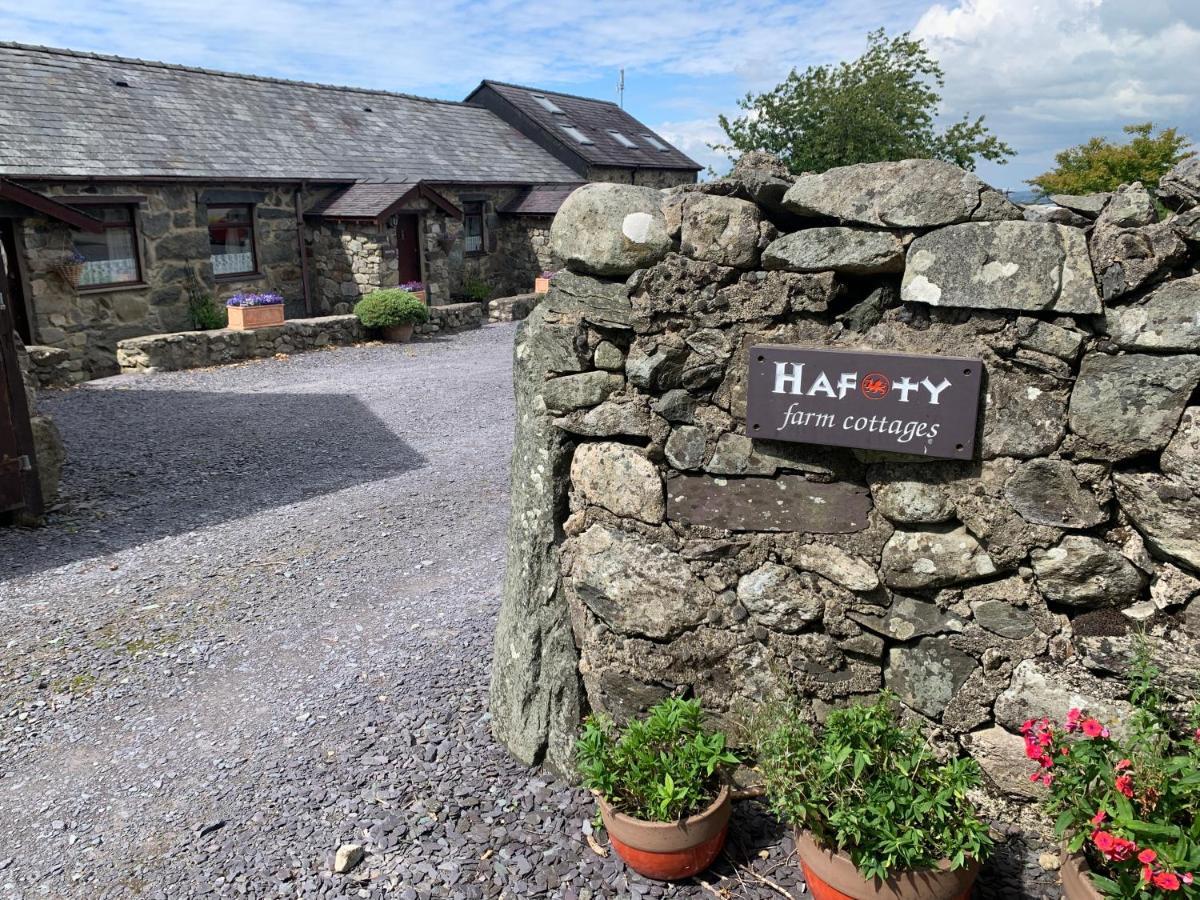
pixel 1046 73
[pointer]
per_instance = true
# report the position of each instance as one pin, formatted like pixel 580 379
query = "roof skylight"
pixel 579 136
pixel 656 143
pixel 622 140
pixel 547 104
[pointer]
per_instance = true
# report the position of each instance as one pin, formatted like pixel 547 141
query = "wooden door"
pixel 408 248
pixel 19 487
pixel 11 287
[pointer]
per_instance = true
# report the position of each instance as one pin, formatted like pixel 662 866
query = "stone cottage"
pixel 173 182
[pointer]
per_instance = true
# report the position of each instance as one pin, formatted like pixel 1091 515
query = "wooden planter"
pixel 420 295
pixel 541 285
pixel 245 318
pixel 669 851
pixel 832 876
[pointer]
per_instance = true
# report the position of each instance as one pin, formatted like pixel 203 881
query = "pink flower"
pixel 1167 881
pixel 1124 784
pixel 1073 716
pixel 1103 841
pixel 1099 817
pixel 1147 856
pixel 1186 878
pixel 1123 764
pixel 1092 728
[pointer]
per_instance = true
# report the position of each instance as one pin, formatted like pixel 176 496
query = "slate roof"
pixel 539 201
pixel 64 113
pixel 375 199
pixel 596 119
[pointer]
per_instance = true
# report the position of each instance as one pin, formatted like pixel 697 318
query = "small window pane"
pixel 656 143
pixel 623 141
pixel 547 104
pixel 231 239
pixel 578 135
pixel 473 227
pixel 109 257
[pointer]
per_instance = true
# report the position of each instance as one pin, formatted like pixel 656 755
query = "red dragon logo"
pixel 876 386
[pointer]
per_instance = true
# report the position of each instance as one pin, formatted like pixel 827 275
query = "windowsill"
pixel 244 276
pixel 110 288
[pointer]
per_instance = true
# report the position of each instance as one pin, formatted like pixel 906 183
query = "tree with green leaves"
pixel 882 106
pixel 1101 165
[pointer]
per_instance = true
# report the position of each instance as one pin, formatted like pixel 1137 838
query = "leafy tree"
pixel 1101 165
pixel 879 107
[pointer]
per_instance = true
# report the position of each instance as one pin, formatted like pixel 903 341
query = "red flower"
pixel 1167 881
pixel 1124 784
pixel 1123 764
pixel 1123 849
pixel 1099 817
pixel 1147 856
pixel 1092 728
pixel 1027 726
pixel 1073 716
pixel 1103 841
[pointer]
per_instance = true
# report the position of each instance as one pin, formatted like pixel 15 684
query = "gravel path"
pixel 260 626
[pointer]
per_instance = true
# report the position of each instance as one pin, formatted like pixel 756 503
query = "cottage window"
pixel 231 239
pixel 656 143
pixel 473 225
pixel 110 256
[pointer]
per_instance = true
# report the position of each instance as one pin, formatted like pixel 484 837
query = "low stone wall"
pixel 511 309
pixel 656 546
pixel 192 349
pixel 54 366
pixel 453 317
pixel 48 444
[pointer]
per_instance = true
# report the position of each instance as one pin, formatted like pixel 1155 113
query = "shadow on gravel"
pixel 147 464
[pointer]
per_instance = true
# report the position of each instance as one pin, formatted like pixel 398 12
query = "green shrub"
pixel 476 290
pixel 206 314
pixel 383 309
pixel 662 768
pixel 870 788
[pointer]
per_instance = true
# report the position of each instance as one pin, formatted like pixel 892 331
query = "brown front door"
pixel 408 248
pixel 10 287
pixel 18 474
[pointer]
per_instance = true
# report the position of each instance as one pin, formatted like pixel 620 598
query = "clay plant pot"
pixel 541 285
pixel 669 851
pixel 398 334
pixel 246 318
pixel 1077 878
pixel 832 876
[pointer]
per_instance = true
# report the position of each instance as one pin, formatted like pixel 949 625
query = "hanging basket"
pixel 71 272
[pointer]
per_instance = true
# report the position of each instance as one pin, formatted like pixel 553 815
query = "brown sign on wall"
pixel 898 402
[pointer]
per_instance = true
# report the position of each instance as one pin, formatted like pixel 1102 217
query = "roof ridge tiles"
pixel 538 90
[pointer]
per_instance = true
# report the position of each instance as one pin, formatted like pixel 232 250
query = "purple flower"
pixel 269 299
pixel 413 286
pixel 548 274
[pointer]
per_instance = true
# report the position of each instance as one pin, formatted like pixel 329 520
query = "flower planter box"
pixel 832 876
pixel 541 285
pixel 244 318
pixel 420 295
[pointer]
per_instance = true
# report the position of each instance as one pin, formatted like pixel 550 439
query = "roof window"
pixel 119 81
pixel 622 140
pixel 656 143
pixel 547 104
pixel 579 136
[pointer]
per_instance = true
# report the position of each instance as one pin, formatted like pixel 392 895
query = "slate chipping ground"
pixel 260 626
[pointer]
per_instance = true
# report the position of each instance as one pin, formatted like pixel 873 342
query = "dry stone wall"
pixel 656 548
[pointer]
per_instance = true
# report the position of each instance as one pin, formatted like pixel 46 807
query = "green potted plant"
pixel 392 312
pixel 661 788
pixel 876 814
pixel 1125 804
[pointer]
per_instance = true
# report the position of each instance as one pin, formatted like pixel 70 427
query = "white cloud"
pixel 1049 74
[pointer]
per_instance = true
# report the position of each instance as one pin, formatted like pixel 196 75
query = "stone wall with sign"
pixel 656 547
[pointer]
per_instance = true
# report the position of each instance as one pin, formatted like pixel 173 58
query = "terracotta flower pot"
pixel 541 285
pixel 1077 878
pixel 668 851
pixel 398 334
pixel 832 876
pixel 244 318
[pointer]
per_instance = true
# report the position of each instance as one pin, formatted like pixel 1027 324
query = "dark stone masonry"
pixel 655 548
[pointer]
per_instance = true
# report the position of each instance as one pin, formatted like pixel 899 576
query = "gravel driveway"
pixel 260 626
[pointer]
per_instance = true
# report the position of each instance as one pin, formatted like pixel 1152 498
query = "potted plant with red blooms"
pixel 1125 803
